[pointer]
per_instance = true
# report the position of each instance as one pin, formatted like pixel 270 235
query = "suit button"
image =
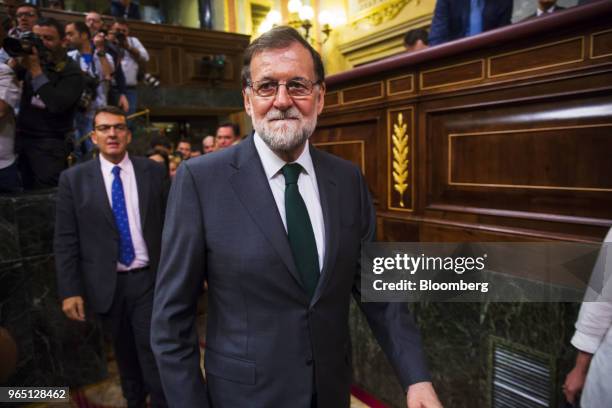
pixel 309 361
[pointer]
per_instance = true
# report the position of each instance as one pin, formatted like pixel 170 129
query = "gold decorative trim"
pixel 342 142
pixel 389 93
pixel 591 45
pixel 531 187
pixel 400 157
pixel 480 78
pixel 581 59
pixel 381 14
pixel 382 93
pixel 402 154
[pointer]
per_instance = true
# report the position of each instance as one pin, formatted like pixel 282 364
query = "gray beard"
pixel 285 137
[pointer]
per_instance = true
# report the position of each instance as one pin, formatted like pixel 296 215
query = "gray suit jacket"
pixel 86 237
pixel 267 344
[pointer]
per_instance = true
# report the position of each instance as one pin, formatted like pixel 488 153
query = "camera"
pixel 121 38
pixel 18 47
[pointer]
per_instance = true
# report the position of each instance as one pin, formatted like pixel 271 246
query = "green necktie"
pixel 299 229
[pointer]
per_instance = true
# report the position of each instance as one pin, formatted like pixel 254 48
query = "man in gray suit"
pixel 277 333
pixel 110 214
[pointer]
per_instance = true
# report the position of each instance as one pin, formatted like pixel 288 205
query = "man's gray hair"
pixel 278 38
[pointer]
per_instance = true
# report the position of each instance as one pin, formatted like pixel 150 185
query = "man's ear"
pixel 247 102
pixel 321 97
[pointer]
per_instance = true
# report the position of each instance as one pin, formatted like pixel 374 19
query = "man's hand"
pixel 422 395
pixel 123 103
pixel 74 308
pixel 98 41
pixel 31 62
pixel 574 382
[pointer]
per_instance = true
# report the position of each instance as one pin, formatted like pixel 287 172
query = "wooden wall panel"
pixel 493 159
pixel 450 75
pixel 601 44
pixel 546 56
pixel 506 157
pixel 354 140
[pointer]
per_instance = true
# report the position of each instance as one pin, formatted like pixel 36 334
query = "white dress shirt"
pixel 129 64
pixel 307 184
pixel 130 191
pixel 549 10
pixel 95 70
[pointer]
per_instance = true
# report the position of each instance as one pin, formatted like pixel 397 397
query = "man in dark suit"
pixel 110 214
pixel 275 227
pixel 454 19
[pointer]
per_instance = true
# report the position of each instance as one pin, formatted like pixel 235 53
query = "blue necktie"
pixel 476 7
pixel 126 247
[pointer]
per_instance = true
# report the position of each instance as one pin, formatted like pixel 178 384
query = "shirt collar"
pixel 273 164
pixel 107 167
pixel 548 10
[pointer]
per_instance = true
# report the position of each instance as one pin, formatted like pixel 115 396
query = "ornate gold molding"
pixel 383 13
pixel 401 150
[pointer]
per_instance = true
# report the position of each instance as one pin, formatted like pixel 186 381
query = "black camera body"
pixel 121 38
pixel 27 41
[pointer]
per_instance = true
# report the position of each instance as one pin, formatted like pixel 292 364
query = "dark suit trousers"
pixel 129 323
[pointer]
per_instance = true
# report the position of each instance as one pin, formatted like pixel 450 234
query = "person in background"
pixel 27 15
pixel 52 87
pixel 593 339
pixel 125 9
pixel 97 65
pixel 195 151
pixel 161 157
pixel 416 40
pixel 175 162
pixel 545 7
pixel 184 148
pixel 56 4
pixel 110 214
pixel 10 93
pixel 227 134
pixel 455 19
pixel 134 54
pixel 161 143
pixel 117 93
pixel 208 144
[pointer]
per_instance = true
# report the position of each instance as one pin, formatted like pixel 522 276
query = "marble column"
pixel 52 350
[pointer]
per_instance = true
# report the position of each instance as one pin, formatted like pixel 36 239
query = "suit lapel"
pixel 99 191
pixel 143 186
pixel 328 194
pixel 252 188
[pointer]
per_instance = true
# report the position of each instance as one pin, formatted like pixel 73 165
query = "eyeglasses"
pixel 121 127
pixel 25 14
pixel 296 88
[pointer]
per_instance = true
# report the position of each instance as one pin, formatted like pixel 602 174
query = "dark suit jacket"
pixel 452 18
pixel 265 341
pixel 535 15
pixel 86 237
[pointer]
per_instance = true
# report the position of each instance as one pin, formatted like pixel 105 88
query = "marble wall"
pixel 457 340
pixel 52 350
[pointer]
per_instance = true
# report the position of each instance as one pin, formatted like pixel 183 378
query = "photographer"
pixel 134 55
pixel 97 65
pixel 10 92
pixel 116 95
pixel 27 15
pixel 52 86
